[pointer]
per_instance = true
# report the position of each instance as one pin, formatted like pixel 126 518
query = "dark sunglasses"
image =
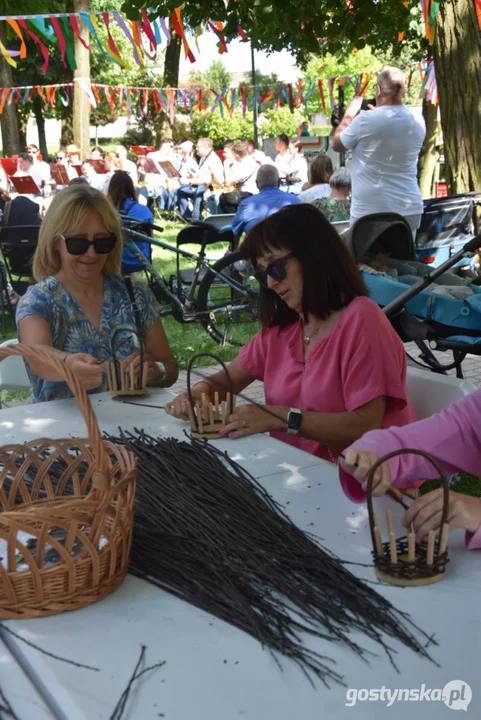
pixel 276 270
pixel 79 244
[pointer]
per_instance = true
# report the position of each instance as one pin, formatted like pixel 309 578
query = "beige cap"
pixel 72 149
pixel 187 145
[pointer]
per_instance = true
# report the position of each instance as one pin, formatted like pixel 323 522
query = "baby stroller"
pixel 446 225
pixel 426 305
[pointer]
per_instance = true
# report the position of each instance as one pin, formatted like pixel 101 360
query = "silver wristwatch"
pixel 294 421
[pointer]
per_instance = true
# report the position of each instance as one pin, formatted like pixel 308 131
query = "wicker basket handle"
pixel 224 367
pixel 407 451
pixel 101 473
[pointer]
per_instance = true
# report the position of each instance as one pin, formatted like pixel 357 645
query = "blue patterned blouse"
pixel 74 333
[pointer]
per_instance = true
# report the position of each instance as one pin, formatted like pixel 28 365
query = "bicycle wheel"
pixel 229 302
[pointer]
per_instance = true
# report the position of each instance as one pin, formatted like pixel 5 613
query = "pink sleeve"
pixel 373 361
pixel 473 540
pixel 451 437
pixel 253 355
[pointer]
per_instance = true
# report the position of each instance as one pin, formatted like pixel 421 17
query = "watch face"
pixel 294 421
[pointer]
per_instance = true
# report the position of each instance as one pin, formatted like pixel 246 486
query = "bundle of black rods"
pixel 206 531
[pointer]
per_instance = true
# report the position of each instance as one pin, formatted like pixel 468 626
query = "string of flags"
pixel 143 100
pixel 146 36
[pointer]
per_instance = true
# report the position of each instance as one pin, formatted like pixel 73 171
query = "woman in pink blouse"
pixel 332 366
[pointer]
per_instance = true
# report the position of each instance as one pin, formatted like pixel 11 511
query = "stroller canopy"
pixel 382 233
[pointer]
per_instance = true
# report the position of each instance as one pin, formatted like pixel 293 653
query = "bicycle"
pixel 221 296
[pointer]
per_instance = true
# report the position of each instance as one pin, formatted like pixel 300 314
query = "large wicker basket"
pixel 66 514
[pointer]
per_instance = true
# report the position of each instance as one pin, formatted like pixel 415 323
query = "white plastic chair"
pixel 430 392
pixel 13 374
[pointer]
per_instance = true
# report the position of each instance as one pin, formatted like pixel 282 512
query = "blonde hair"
pixel 67 214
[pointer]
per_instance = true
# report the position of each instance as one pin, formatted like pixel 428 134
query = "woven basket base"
pixel 63 605
pixel 408 582
pixel 207 435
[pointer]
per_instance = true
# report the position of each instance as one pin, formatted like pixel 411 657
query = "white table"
pixel 213 671
pixel 20 692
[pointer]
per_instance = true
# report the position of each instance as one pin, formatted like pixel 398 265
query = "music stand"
pixel 169 169
pixel 77 167
pixel 9 165
pixel 59 174
pixel 25 185
pixel 98 165
pixel 142 149
pixel 150 166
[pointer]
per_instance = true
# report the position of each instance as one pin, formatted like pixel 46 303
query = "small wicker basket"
pixel 120 376
pixel 216 412
pixel 402 561
pixel 66 514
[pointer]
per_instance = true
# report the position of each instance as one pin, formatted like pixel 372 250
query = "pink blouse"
pixel 360 359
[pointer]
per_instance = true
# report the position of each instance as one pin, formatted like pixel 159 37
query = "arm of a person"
pixel 157 346
pixel 330 428
pixel 35 331
pixel 451 437
pixel 349 138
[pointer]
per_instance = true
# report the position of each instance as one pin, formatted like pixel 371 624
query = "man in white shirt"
pixel 42 167
pixel 210 172
pixel 25 167
pixel 259 156
pixel 127 165
pixel 242 173
pixel 385 143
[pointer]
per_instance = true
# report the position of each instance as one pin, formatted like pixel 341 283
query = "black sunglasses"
pixel 276 270
pixel 79 244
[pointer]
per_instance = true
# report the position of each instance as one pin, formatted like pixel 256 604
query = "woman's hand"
pixel 178 406
pixel 359 464
pixel 86 368
pixel 425 513
pixel 133 360
pixel 251 419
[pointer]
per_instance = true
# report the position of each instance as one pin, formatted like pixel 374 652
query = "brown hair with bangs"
pixel 331 279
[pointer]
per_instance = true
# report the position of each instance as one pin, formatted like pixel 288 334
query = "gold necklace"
pixel 308 338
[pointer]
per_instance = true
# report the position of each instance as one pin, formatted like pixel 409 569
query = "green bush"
pixel 218 128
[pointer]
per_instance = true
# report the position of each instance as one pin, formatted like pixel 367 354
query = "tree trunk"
pixel 22 121
pixel 171 79
pixel 430 154
pixel 81 104
pixel 42 139
pixel 8 118
pixel 456 51
pixel 66 115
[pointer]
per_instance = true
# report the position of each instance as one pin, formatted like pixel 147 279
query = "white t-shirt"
pixel 299 167
pixel 246 170
pixel 385 145
pixel 284 162
pixel 313 193
pixel 131 168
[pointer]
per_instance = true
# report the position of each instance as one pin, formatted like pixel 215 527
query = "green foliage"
pixel 219 129
pixel 216 76
pixel 280 120
pixel 297 25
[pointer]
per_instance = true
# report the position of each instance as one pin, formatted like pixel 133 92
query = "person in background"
pixel 336 207
pixel 126 164
pixel 80 300
pixel 319 173
pixel 283 159
pixel 452 438
pixel 385 142
pixel 19 211
pixel 113 163
pixel 93 178
pixel 63 159
pixel 183 162
pixel 97 153
pixel 73 153
pixel 332 365
pixel 269 200
pixel 241 173
pixel 40 165
pixel 303 129
pixel 210 172
pixel 298 175
pixel 259 156
pixel 25 167
pixel 124 198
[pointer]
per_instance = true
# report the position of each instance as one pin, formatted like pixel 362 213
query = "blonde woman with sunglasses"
pixel 80 299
